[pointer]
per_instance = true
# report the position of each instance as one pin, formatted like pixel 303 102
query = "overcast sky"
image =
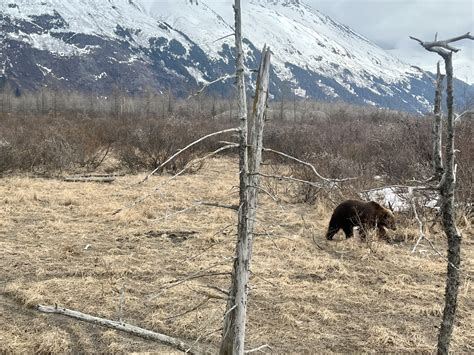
pixel 389 23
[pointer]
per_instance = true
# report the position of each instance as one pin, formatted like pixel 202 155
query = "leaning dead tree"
pixel 250 156
pixel 446 189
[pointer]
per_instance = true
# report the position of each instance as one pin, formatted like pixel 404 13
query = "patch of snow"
pixel 46 42
pixel 328 90
pixel 100 76
pixel 299 92
pixel 43 69
pixel 400 198
pixel 197 75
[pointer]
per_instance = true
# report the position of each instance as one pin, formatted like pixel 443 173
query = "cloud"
pixel 390 21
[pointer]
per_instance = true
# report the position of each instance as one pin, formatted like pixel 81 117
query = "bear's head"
pixel 388 220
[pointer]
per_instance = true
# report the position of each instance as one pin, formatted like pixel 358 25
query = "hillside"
pixel 101 46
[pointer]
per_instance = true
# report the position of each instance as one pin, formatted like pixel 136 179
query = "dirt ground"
pixel 61 244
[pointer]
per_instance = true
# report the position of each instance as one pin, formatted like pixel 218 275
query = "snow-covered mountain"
pixel 99 45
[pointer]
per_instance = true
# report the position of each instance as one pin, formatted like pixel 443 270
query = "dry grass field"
pixel 61 244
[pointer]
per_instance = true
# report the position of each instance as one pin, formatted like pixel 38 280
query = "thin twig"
pixel 190 310
pixel 266 192
pixel 259 349
pixel 199 274
pixel 218 289
pixel 420 226
pixel 196 205
pixel 224 37
pixel 264 279
pixel 268 235
pixel 219 205
pixel 230 310
pixel 461 115
pixel 213 245
pixel 289 178
pixel 202 336
pixel 184 210
pixel 439 253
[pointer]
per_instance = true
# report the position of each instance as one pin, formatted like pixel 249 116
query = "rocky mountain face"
pixel 102 45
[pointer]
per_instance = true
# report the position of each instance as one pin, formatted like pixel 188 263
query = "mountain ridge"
pixel 92 45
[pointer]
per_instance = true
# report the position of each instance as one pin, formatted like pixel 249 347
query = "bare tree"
pixel 250 154
pixel 446 189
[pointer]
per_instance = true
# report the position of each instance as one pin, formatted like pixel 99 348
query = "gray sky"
pixel 389 23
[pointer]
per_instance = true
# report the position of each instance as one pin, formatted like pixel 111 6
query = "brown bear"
pixel 365 215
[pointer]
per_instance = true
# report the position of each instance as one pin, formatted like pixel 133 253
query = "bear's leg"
pixel 332 230
pixel 382 233
pixel 348 231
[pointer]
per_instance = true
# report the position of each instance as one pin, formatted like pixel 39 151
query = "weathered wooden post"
pixel 250 155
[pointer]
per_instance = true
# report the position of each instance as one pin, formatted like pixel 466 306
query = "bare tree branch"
pixel 196 205
pixel 259 349
pixel 308 165
pixel 219 205
pixel 181 211
pixel 205 86
pixel 186 148
pixel 188 166
pixel 189 310
pixel 420 226
pixel 188 351
pixel 465 113
pixel 198 275
pixel 224 37
pixel 212 245
pixel 443 48
pixel 289 178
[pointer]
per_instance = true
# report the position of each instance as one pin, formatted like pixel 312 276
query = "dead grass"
pixel 342 296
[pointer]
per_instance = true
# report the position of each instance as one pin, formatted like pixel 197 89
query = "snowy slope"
pixel 101 44
pixel 93 17
pixel 296 33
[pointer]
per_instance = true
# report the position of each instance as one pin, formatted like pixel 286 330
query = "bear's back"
pixel 351 207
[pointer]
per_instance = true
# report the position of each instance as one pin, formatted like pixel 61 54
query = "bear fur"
pixel 365 215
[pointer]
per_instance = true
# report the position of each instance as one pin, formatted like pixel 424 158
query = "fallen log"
pixel 124 327
pixel 100 179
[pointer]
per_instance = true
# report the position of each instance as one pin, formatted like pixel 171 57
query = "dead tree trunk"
pixel 256 124
pixel 234 320
pixel 446 189
pixel 250 153
pixel 437 127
